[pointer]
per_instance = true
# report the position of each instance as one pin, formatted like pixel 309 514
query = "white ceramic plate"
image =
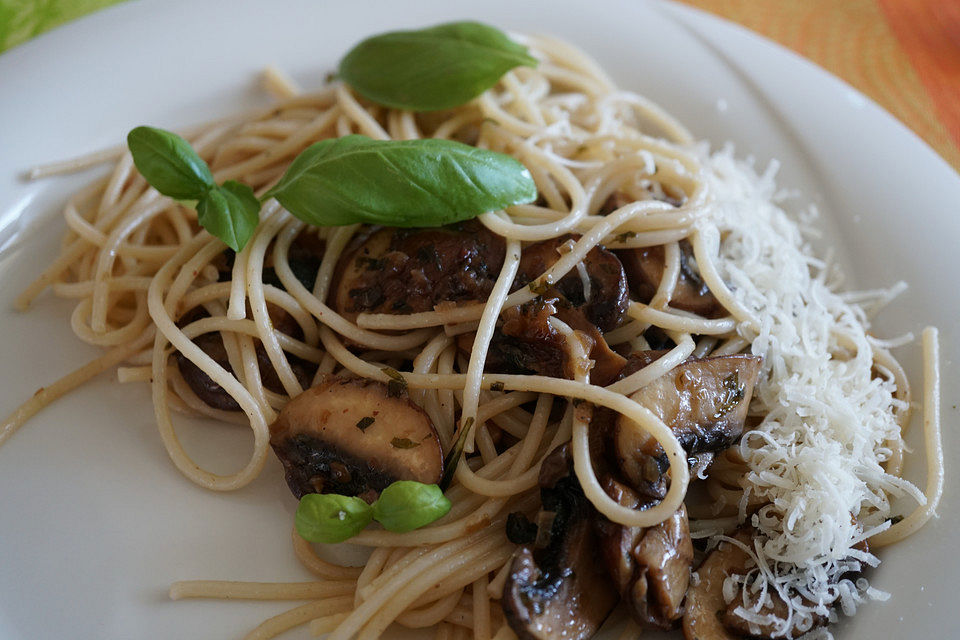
pixel 95 523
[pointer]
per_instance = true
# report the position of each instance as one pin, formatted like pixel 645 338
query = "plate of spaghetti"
pixel 466 322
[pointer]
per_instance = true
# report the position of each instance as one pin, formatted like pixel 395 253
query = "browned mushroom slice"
pixel 776 607
pixel 527 343
pixel 559 590
pixel 354 437
pixel 304 257
pixel 705 603
pixel 410 270
pixel 703 401
pixel 597 296
pixel 594 306
pixel 664 556
pixel 650 567
pixel 644 268
pixel 710 617
pixel 213 394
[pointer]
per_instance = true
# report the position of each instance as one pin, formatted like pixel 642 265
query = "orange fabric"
pixel 905 54
pixel 929 31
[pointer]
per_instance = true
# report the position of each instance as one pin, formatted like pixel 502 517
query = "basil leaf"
pixel 436 68
pixel 331 518
pixel 169 163
pixel 407 505
pixel 230 212
pixel 400 183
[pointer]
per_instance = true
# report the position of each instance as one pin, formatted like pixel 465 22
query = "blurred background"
pixel 905 54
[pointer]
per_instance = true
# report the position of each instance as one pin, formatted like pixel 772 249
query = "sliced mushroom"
pixel 355 437
pixel 526 342
pixel 644 268
pixel 410 270
pixel 775 606
pixel 213 394
pixel 710 617
pixel 704 401
pixel 705 603
pixel 650 567
pixel 592 302
pixel 594 296
pixel 559 590
pixel 304 257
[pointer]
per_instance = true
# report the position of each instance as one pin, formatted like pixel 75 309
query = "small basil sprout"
pixel 407 505
pixel 169 163
pixel 171 166
pixel 230 212
pixel 331 518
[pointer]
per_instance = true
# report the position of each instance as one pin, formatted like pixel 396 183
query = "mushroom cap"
pixel 703 401
pixel 603 307
pixel 644 268
pixel 393 270
pixel 354 436
pixel 559 591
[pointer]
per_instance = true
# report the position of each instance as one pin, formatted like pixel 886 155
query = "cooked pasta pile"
pixel 814 474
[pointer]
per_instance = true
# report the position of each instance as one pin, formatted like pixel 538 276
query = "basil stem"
pixel 400 183
pixel 452 460
pixel 435 68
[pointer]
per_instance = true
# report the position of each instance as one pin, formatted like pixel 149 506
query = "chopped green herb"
pixel 538 287
pixel 397 385
pixel 497 386
pixel 456 453
pixel 403 443
pixel 393 374
pixel 365 422
pixel 732 395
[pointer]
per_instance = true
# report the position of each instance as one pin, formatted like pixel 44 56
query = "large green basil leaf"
pixel 400 183
pixel 429 69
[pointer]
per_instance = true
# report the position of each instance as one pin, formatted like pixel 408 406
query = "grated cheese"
pixel 816 460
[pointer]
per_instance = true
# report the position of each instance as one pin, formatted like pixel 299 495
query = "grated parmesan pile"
pixel 816 459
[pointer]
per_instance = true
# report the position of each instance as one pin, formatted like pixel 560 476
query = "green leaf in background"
pixel 169 163
pixel 436 68
pixel 400 183
pixel 407 505
pixel 21 20
pixel 330 518
pixel 230 212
